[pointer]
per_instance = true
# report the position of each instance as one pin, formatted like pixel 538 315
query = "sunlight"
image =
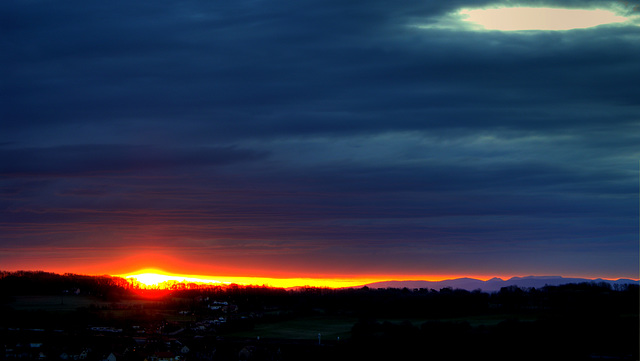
pixel 528 18
pixel 156 278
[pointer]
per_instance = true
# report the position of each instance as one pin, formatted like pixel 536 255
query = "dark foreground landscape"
pixel 51 317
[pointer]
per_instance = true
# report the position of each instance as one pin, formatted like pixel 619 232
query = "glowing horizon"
pixel 153 278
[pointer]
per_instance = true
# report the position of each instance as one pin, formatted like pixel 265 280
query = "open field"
pixel 123 312
pixel 53 303
pixel 303 328
pixel 307 328
pixel 70 303
pixel 474 321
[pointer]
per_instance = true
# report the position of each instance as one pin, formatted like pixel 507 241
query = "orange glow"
pixel 175 267
pixel 159 279
pixel 155 278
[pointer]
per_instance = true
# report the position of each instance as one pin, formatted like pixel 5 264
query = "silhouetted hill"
pixel 494 284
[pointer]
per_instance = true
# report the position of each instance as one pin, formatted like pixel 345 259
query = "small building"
pixel 164 356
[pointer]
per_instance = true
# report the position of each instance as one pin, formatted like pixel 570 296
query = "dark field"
pixel 67 303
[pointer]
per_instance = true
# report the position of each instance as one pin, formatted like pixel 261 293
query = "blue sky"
pixel 317 138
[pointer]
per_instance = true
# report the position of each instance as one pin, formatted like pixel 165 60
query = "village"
pixel 151 330
pixel 192 335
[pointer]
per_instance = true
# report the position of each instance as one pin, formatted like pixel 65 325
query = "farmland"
pixel 271 323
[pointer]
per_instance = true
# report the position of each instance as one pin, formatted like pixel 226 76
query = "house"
pixel 245 353
pixel 164 356
pixel 82 355
pixel 111 357
pixel 141 341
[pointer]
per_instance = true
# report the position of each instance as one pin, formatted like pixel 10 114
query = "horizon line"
pixel 159 276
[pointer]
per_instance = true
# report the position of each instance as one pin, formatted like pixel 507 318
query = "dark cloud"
pixel 76 160
pixel 338 129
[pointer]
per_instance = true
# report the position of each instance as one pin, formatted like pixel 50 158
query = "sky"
pixel 317 138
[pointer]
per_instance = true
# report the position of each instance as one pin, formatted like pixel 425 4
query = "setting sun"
pixel 156 278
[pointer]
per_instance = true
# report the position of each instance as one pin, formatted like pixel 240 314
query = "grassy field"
pixel 308 328
pixel 303 328
pixel 474 321
pixel 66 303
pixel 121 312
pixel 52 303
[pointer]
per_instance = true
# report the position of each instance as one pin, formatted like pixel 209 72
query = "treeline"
pixel 47 283
pixel 428 303
pixel 361 302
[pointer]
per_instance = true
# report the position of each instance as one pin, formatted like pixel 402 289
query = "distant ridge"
pixel 494 284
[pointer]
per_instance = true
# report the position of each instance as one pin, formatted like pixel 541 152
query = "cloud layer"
pixel 317 137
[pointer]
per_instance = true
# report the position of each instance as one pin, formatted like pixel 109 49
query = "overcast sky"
pixel 316 137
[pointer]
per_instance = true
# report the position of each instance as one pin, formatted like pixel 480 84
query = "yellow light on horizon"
pixel 529 18
pixel 152 278
pixel 155 278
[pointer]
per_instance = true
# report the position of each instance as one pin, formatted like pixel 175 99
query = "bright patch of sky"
pixel 532 19
pixel 527 18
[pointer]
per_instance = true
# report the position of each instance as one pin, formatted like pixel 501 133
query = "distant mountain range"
pixel 494 284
